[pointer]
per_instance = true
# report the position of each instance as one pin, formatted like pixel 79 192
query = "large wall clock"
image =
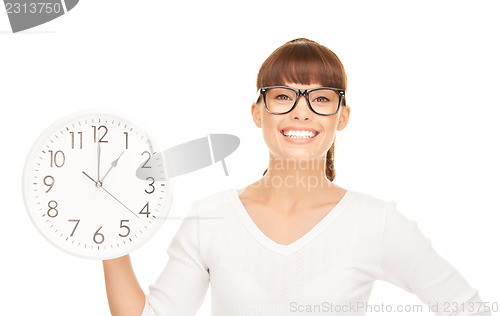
pixel 81 190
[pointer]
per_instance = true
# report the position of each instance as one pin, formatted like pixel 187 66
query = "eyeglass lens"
pixel 281 100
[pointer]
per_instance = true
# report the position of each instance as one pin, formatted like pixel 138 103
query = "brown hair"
pixel 304 61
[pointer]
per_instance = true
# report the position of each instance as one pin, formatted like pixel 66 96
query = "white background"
pixel 423 131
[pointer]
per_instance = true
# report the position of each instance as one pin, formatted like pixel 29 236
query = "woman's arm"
pixel 409 261
pixel 182 285
pixel 125 296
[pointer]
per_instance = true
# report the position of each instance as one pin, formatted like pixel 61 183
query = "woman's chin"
pixel 298 154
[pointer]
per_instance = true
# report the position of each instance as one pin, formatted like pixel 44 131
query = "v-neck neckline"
pixel 270 244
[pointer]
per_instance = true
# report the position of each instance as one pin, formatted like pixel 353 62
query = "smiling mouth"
pixel 299 134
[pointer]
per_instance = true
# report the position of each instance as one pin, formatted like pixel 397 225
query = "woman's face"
pixel 273 126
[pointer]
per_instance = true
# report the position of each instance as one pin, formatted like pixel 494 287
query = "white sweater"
pixel 329 270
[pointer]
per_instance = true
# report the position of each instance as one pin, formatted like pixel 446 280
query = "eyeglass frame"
pixel 301 92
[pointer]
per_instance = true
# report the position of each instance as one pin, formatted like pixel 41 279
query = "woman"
pixel 294 241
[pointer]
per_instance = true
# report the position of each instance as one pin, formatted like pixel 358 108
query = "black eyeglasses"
pixel 322 101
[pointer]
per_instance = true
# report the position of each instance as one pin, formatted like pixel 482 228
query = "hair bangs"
pixel 302 62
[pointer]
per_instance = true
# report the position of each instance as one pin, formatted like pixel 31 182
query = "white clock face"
pixel 81 190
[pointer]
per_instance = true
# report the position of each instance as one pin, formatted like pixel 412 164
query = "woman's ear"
pixel 344 117
pixel 256 115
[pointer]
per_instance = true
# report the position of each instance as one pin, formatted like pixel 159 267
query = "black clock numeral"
pixel 53 158
pixel 151 185
pixel 95 133
pixel 52 208
pixel 98 235
pixel 51 184
pixel 77 222
pixel 124 226
pixel 73 139
pixel 126 139
pixel 147 210
pixel 144 165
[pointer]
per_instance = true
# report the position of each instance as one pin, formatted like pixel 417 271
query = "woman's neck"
pixel 293 184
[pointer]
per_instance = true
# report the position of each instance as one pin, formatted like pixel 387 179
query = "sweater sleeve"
pixel 409 261
pixel 182 285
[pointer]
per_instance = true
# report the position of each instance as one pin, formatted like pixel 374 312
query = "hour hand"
pixel 113 164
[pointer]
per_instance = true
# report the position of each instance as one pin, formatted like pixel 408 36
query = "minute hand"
pixel 113 164
pixel 99 161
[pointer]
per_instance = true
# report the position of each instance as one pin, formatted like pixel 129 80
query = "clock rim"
pixel 30 159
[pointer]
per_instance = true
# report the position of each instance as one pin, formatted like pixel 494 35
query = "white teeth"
pixel 299 134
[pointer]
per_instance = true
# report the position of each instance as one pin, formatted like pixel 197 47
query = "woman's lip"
pixel 298 128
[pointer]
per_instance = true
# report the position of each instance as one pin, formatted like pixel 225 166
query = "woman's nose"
pixel 301 109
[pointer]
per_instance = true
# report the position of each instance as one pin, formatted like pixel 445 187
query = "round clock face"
pixel 81 190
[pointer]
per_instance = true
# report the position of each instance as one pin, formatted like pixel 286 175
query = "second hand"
pixel 109 194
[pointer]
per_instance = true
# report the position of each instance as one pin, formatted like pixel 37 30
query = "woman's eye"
pixel 282 97
pixel 321 99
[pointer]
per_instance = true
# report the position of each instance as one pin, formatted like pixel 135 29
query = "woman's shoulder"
pixel 214 203
pixel 368 204
pixel 386 212
pixel 367 198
